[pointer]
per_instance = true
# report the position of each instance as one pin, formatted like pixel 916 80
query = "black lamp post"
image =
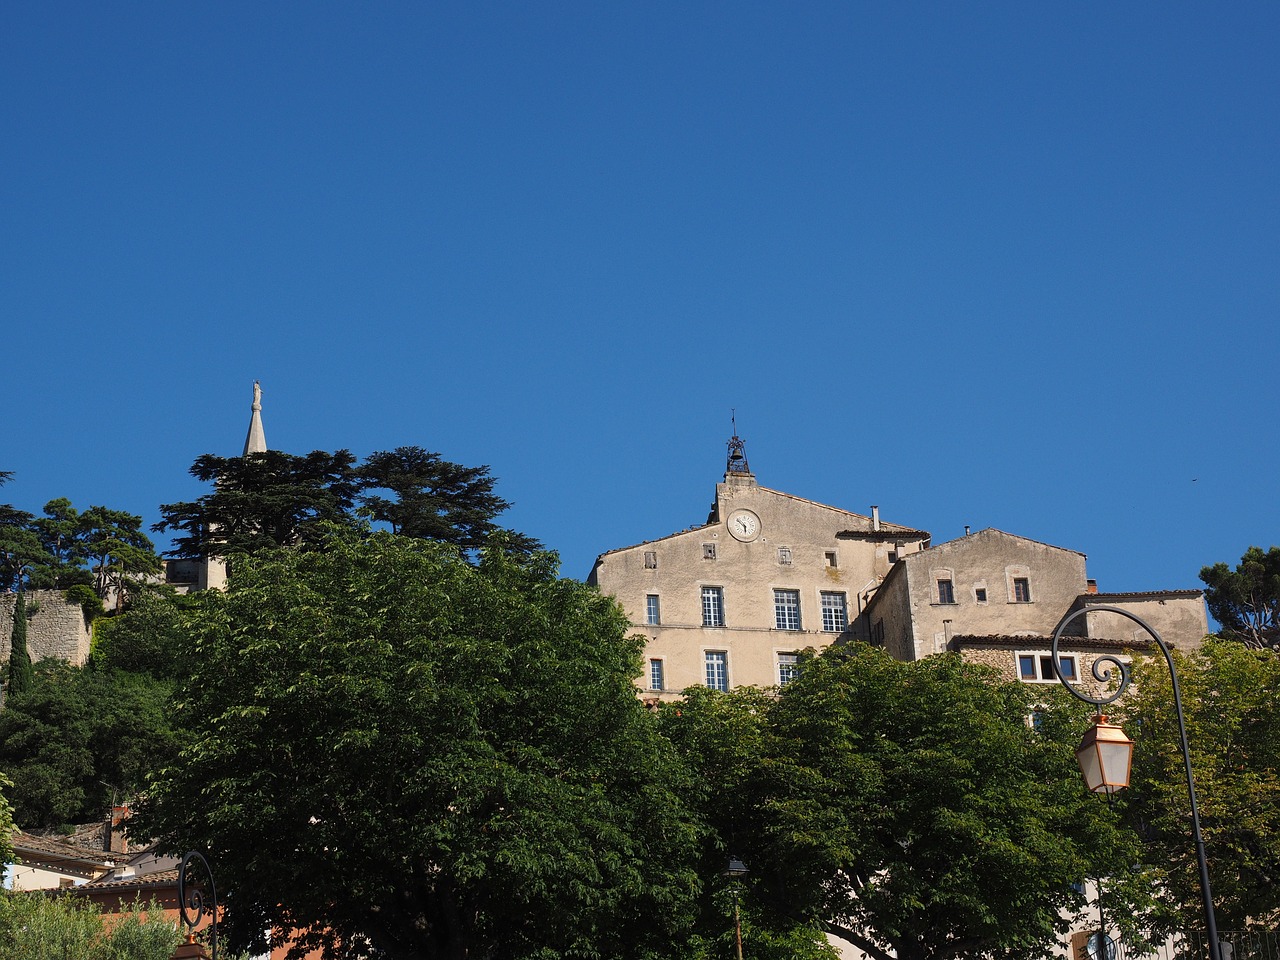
pixel 1105 753
pixel 736 869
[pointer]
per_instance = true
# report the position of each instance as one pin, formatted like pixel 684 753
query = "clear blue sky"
pixel 1008 265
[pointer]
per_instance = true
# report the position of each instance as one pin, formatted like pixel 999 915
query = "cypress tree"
pixel 20 675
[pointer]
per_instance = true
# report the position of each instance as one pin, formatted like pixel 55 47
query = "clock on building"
pixel 744 525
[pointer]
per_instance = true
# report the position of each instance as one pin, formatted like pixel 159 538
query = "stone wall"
pixel 56 629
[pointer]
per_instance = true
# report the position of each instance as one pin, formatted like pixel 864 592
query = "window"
pixel 877 633
pixel 786 609
pixel 831 558
pixel 1038 667
pixel 718 670
pixel 652 611
pixel 893 557
pixel 834 612
pixel 1021 590
pixel 708 551
pixel 784 556
pixel 712 607
pixel 656 681
pixel 788 668
pixel 980 594
pixel 650 560
pixel 946 592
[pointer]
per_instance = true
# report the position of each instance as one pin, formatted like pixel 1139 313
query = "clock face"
pixel 744 525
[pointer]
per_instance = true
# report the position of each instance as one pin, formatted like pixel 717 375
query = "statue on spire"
pixel 256 441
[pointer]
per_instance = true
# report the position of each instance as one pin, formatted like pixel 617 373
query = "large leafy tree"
pixel 1246 600
pixel 406 755
pixel 80 738
pixel 260 501
pixel 911 809
pixel 420 494
pixel 1229 695
pixel 725 739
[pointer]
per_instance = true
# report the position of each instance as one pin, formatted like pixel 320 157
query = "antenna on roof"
pixel 737 462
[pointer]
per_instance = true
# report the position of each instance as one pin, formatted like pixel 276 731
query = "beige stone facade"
pixel 731 602
pixel 998 598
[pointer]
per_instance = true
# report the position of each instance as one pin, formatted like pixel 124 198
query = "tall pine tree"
pixel 20 674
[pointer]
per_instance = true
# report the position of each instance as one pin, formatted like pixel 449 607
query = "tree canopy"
pixel 274 499
pixel 65 548
pixel 908 807
pixel 1229 696
pixel 79 739
pixel 1246 600
pixel 404 754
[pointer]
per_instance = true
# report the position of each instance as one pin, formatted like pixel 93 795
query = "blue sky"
pixel 1008 265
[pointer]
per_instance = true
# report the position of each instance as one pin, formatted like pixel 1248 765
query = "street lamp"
pixel 735 870
pixel 1105 753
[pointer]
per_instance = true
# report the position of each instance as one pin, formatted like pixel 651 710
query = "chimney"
pixel 116 842
pixel 1091 586
pixel 875 517
pixel 966 529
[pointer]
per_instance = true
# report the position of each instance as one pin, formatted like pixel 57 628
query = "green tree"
pixel 118 552
pixel 1246 600
pixel 913 811
pixel 80 738
pixel 1229 696
pixel 20 671
pixel 725 739
pixel 433 498
pixel 59 533
pixel 20 549
pixel 261 501
pixel 147 638
pixel 406 755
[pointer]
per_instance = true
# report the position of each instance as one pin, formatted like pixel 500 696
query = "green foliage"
pixel 88 599
pixel 66 548
pixel 20 670
pixel 6 823
pixel 80 738
pixel 908 807
pixel 274 499
pixel 261 501
pixel 147 638
pixel 20 549
pixel 36 927
pixel 1229 696
pixel 390 744
pixel 119 554
pixel 434 498
pixel 1246 600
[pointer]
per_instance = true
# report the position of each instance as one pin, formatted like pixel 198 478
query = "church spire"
pixel 256 441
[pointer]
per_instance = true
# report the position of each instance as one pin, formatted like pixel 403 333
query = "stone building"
pixel 732 602
pixel 998 598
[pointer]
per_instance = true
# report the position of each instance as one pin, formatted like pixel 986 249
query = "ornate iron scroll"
pixel 1102 666
pixel 192 898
